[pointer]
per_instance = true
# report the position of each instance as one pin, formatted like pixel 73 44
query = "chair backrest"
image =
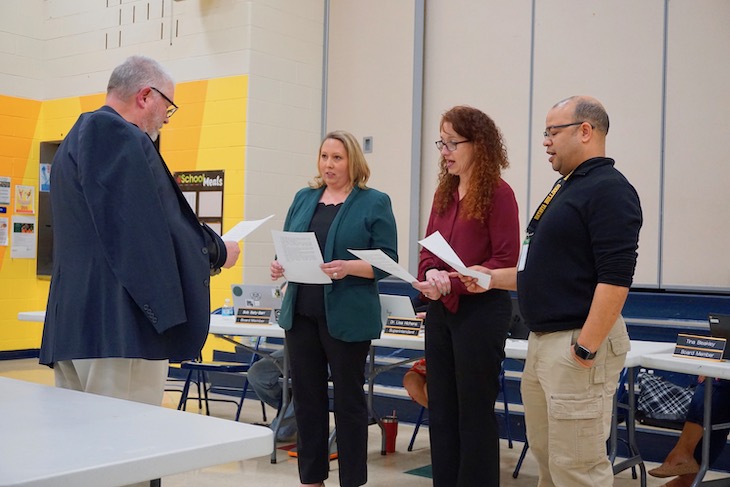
pixel 517 328
pixel 720 328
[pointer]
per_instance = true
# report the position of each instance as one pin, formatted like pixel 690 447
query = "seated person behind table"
pixel 683 461
pixel 263 377
pixel 414 382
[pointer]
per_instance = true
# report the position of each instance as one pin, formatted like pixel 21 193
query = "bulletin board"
pixel 204 192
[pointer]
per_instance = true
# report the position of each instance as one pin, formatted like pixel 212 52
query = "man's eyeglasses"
pixel 172 108
pixel 548 135
pixel 450 146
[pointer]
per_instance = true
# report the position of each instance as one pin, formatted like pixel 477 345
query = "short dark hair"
pixel 592 112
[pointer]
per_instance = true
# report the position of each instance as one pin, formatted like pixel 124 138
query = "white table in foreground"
pixel 59 437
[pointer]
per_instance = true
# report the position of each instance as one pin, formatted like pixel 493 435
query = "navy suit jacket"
pixel 131 262
pixel 365 221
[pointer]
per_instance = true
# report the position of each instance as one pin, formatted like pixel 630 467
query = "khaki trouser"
pixel 136 380
pixel 568 408
pixel 132 379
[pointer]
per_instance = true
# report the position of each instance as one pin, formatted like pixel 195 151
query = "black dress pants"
pixel 464 354
pixel 314 357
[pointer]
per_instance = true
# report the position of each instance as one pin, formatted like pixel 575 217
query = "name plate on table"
pixel 403 326
pixel 254 316
pixel 706 348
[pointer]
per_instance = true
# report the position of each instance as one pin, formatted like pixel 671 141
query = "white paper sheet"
pixel 3 231
pixel 243 228
pixel 299 255
pixel 438 245
pixel 23 245
pixel 378 258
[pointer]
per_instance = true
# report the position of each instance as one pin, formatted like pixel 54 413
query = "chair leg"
pixel 630 452
pixel 418 426
pixel 244 391
pixel 198 381
pixel 523 453
pixel 506 410
pixel 205 392
pixel 243 396
pixel 186 389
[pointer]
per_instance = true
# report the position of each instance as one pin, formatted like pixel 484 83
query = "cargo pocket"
pixel 616 349
pixel 576 430
pixel 619 345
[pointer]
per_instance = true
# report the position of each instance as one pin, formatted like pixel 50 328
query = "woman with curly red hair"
pixel 476 212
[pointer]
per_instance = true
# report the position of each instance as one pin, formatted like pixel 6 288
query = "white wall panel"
pixel 697 199
pixel 614 52
pixel 284 118
pixel 21 17
pixel 63 8
pixel 21 48
pixel 478 54
pixel 370 90
pixel 97 18
pixel 219 41
pixel 19 86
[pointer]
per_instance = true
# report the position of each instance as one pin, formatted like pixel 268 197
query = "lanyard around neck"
pixel 532 227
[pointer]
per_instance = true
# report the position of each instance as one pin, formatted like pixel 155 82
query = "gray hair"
pixel 135 73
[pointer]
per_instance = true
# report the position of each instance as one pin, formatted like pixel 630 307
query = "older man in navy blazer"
pixel 131 262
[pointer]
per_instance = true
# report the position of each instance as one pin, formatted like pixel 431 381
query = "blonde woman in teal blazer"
pixel 329 327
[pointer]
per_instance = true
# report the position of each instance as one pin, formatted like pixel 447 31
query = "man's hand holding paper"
pixel 243 228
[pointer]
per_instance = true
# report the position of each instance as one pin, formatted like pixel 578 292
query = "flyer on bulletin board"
pixel 4 231
pixel 24 238
pixel 45 178
pixel 4 190
pixel 24 199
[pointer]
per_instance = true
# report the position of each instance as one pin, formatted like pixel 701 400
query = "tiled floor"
pixel 382 470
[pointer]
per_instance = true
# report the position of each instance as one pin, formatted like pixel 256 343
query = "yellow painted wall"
pixel 208 132
pixel 19 289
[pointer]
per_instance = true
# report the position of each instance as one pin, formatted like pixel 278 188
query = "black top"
pixel 310 298
pixel 588 235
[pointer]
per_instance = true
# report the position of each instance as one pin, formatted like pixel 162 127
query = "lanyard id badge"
pixel 532 227
pixel 523 254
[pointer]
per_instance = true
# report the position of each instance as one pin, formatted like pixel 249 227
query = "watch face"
pixel 583 352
